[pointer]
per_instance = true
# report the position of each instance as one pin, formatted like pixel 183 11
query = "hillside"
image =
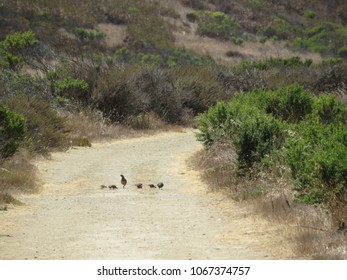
pixel 262 80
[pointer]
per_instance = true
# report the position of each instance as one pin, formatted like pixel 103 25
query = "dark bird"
pixel 152 186
pixel 139 186
pixel 112 187
pixel 160 185
pixel 123 181
pixel 342 226
pixel 103 187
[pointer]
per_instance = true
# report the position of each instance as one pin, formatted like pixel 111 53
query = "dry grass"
pixel 18 174
pixel 87 123
pixel 312 229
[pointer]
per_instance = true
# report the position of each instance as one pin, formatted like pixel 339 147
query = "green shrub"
pixel 12 131
pixel 88 35
pixel 310 14
pixel 16 48
pixel 286 126
pixel 317 156
pixel 45 128
pixel 257 137
pixel 72 88
pixel 327 109
pixel 280 28
pixel 215 24
pixel 342 52
pixel 290 104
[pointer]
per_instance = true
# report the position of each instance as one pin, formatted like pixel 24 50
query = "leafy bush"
pixel 290 103
pixel 327 110
pixel 317 156
pixel 272 62
pixel 16 47
pixel 12 131
pixel 257 137
pixel 326 38
pixel 88 35
pixel 215 24
pixel 45 128
pixel 279 28
pixel 310 14
pixel 342 52
pixel 286 126
pixel 76 89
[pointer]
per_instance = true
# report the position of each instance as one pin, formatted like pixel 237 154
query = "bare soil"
pixel 73 218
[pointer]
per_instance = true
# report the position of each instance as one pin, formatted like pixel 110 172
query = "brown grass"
pixel 87 123
pixel 18 174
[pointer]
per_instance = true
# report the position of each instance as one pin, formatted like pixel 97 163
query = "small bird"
pixel 342 226
pixel 152 186
pixel 112 187
pixel 103 187
pixel 123 181
pixel 139 186
pixel 160 185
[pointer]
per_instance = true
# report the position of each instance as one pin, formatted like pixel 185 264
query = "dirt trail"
pixel 72 218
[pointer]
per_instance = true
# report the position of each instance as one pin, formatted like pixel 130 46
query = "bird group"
pixel 124 182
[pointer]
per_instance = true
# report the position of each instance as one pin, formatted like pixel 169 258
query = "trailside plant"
pixel 12 131
pixel 305 132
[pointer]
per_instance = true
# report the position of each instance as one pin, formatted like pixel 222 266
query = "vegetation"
pixel 283 119
pixel 12 131
pixel 286 126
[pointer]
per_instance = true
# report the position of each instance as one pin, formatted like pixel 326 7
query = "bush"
pixel 17 47
pixel 257 137
pixel 45 127
pixel 70 88
pixel 310 14
pixel 327 110
pixel 12 131
pixel 286 126
pixel 215 24
pixel 290 104
pixel 278 28
pixel 317 156
pixel 342 52
pixel 88 35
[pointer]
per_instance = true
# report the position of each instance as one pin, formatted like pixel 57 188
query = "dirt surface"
pixel 73 218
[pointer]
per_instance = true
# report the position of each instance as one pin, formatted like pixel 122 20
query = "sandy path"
pixel 72 218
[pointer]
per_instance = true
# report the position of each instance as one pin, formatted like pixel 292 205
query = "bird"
pixel 139 185
pixel 342 226
pixel 123 181
pixel 160 185
pixel 103 187
pixel 112 187
pixel 152 186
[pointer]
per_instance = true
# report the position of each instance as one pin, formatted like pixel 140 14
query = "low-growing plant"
pixel 279 27
pixel 16 48
pixel 45 128
pixel 71 88
pixel 88 35
pixel 6 198
pixel 12 131
pixel 216 24
pixel 286 126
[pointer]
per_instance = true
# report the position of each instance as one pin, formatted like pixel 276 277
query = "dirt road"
pixel 72 218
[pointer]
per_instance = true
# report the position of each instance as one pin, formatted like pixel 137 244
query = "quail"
pixel 160 185
pixel 139 186
pixel 112 187
pixel 152 186
pixel 123 181
pixel 103 187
